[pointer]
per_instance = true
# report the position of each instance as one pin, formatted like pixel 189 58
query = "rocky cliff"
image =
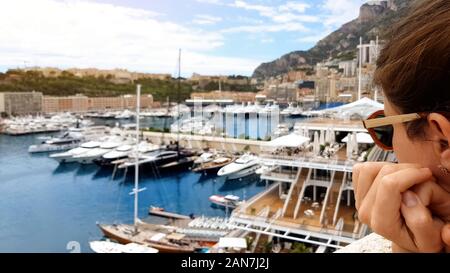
pixel 373 20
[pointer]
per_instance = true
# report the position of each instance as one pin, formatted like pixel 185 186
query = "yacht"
pixel 107 146
pixel 287 111
pixel 282 129
pixel 156 159
pixel 123 152
pixel 125 114
pixel 66 141
pixel 243 166
pixel 213 165
pixel 296 112
pixel 227 201
pixel 67 157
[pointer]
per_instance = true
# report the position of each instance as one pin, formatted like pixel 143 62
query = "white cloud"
pixel 294 6
pixel 339 12
pixel 288 12
pixel 215 2
pixel 267 40
pixel 298 27
pixel 203 19
pixel 314 38
pixel 78 33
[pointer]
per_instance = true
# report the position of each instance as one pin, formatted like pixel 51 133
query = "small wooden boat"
pixel 214 165
pixel 148 235
pixel 161 212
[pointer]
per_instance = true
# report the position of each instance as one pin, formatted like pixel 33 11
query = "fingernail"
pixel 409 199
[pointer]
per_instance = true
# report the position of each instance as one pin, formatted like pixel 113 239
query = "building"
pixel 76 104
pixel 80 103
pixel 225 95
pixel 20 103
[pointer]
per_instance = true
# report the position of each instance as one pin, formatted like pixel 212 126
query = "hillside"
pixel 373 20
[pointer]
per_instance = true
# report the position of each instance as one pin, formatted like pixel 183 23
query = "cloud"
pixel 215 2
pixel 288 12
pixel 294 6
pixel 203 19
pixel 267 40
pixel 298 27
pixel 78 33
pixel 338 12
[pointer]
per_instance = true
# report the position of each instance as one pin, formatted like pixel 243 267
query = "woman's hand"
pixel 385 201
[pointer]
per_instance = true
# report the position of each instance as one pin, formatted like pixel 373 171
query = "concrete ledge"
pixel 372 243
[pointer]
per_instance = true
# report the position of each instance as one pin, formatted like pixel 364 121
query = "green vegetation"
pixel 68 84
pixel 300 248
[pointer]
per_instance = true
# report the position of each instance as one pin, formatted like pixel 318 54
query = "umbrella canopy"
pixel 361 138
pixel 232 242
pixel 316 145
pixel 291 140
pixel 322 137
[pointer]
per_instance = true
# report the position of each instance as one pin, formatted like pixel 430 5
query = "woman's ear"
pixel 439 127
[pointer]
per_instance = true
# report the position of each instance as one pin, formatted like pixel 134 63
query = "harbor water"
pixel 48 207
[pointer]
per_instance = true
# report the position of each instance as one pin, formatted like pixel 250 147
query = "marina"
pixel 290 188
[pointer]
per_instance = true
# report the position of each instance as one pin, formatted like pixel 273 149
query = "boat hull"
pixel 242 173
pixel 126 239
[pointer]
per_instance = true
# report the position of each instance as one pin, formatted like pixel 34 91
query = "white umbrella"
pixel 316 145
pixel 327 136
pixel 349 146
pixel 355 143
pixel 322 138
pixel 333 136
pixel 291 140
pixel 361 138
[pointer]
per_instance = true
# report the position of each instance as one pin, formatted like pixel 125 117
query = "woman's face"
pixel 414 150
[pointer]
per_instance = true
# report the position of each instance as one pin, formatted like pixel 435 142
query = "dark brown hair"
pixel 414 66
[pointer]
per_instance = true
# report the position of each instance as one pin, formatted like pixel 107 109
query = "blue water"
pixel 44 205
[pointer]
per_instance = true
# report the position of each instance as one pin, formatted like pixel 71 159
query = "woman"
pixel 409 202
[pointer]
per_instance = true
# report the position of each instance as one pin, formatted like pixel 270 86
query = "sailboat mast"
pixel 136 169
pixel 360 67
pixel 178 102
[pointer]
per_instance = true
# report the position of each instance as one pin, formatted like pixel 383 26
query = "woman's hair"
pixel 414 66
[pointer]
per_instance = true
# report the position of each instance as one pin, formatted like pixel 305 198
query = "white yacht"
pixel 66 141
pixel 124 151
pixel 243 166
pixel 89 156
pixel 68 156
pixel 282 129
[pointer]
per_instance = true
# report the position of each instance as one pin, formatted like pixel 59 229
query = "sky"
pixel 216 37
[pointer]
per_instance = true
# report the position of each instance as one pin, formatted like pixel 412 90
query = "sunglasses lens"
pixel 384 134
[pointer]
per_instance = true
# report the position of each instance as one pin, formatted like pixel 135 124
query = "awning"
pixel 291 140
pixel 232 242
pixel 363 138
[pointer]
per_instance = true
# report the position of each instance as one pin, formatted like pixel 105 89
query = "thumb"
pixel 426 231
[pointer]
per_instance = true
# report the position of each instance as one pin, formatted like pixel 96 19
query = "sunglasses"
pixel 381 130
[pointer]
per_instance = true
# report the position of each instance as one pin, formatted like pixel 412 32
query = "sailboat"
pixel 146 234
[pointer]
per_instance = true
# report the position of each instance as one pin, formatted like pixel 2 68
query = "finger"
pixel 367 203
pixel 445 234
pixel 385 216
pixel 435 198
pixel 424 230
pixel 355 175
pixel 366 175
